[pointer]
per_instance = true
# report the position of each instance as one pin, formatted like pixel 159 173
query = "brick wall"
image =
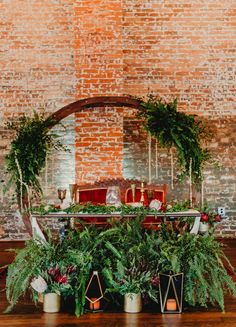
pixel 54 52
pixel 37 73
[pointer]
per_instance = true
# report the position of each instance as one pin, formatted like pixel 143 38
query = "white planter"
pixel 203 228
pixel 52 302
pixel 132 303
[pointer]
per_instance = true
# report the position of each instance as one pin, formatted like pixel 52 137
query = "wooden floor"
pixel 26 314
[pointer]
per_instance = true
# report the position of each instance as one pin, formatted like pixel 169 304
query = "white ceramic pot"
pixel 132 303
pixel 52 302
pixel 203 228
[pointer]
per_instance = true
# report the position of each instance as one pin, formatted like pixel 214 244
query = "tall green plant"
pixel 176 129
pixel 133 262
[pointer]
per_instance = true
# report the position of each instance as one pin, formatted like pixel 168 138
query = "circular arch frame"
pixel 94 102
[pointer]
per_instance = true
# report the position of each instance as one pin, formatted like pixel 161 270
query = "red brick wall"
pixel 99 144
pixel 174 49
pixel 184 49
pixel 36 72
pixel 54 52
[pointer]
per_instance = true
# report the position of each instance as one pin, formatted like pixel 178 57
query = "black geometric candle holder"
pixel 94 293
pixel 171 292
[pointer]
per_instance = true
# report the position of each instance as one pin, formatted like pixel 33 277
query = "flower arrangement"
pixel 56 279
pixel 209 216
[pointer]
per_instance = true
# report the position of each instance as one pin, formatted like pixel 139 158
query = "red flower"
pixel 163 207
pixel 155 281
pixel 62 279
pixel 54 271
pixel 204 217
pixel 217 218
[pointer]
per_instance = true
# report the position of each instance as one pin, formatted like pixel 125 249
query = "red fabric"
pixel 94 196
pixel 98 196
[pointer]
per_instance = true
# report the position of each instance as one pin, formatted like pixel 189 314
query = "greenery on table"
pixel 28 152
pixel 176 129
pixel 90 208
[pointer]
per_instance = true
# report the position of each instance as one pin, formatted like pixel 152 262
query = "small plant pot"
pixel 132 303
pixel 51 303
pixel 203 228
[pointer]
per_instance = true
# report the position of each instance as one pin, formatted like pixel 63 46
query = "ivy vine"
pixel 176 129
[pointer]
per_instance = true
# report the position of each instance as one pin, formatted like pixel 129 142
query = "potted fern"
pixel 43 268
pixel 132 265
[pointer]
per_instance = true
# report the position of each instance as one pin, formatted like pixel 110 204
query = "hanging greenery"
pixel 28 152
pixel 176 129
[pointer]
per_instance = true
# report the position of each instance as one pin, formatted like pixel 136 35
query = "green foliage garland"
pixel 176 129
pixel 28 152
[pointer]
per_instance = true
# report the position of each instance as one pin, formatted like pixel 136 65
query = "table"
pixel 102 219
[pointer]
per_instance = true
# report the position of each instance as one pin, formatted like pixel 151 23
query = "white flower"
pixel 39 284
pixel 155 204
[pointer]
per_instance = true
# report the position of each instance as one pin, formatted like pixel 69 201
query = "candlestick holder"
pixel 133 189
pixel 142 193
pixel 171 292
pixel 72 188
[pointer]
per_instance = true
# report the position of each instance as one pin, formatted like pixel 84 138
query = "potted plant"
pixel 202 261
pixel 132 265
pixel 58 280
pixel 55 266
pixel 43 268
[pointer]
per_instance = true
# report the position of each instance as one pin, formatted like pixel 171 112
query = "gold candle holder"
pixel 72 188
pixel 142 192
pixel 133 189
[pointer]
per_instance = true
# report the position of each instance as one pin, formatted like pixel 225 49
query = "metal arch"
pixel 100 101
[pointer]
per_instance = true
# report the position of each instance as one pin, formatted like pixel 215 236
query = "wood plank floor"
pixel 26 314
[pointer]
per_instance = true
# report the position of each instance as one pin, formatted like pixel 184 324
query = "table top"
pixel 187 213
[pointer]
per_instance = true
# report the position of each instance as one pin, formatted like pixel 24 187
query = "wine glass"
pixel 61 194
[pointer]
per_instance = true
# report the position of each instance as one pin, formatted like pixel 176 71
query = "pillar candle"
pixel 94 305
pixel 171 305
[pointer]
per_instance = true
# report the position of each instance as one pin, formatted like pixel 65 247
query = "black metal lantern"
pixel 94 293
pixel 171 292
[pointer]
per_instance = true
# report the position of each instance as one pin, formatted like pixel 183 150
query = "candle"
pixel 149 159
pixel 171 305
pixel 94 304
